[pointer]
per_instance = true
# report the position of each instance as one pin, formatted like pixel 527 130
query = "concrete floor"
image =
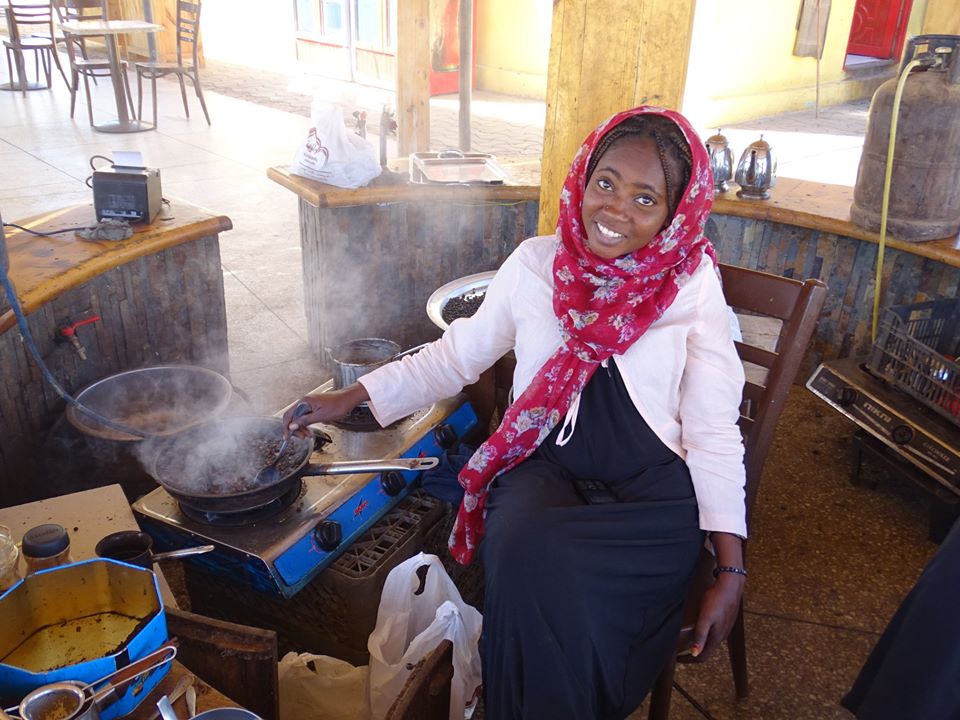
pixel 829 562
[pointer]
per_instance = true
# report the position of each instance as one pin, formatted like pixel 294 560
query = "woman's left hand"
pixel 718 612
pixel 721 601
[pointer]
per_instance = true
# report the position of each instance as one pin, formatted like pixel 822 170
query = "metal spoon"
pixel 270 474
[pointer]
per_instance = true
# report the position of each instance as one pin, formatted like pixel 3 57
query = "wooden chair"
pixel 188 34
pixel 238 660
pixel 770 373
pixel 31 28
pixel 80 65
pixel 426 694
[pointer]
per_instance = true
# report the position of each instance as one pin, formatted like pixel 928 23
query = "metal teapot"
pixel 757 171
pixel 721 161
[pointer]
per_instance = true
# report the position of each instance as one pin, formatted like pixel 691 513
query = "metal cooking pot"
pixel 136 548
pixel 213 468
pixel 354 358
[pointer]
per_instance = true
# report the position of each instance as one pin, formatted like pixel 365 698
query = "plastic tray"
pixel 916 350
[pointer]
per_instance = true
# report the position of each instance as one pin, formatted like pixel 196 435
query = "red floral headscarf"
pixel 602 305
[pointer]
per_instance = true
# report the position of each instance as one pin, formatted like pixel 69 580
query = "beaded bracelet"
pixel 728 569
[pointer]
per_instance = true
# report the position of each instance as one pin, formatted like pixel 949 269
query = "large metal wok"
pixel 213 468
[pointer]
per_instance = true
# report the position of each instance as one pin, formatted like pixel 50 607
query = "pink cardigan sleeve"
pixel 467 348
pixel 710 394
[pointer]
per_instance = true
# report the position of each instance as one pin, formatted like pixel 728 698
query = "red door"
pixel 879 28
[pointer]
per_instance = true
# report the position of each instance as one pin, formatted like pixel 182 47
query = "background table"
pixel 109 29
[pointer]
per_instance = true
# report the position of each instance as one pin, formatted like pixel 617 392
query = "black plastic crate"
pixel 916 350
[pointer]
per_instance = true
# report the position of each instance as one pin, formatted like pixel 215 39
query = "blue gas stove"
pixel 280 548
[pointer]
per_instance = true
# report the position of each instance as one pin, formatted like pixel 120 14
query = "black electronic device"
pixel 127 193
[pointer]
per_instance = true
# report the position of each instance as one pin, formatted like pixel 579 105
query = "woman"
pixel 626 376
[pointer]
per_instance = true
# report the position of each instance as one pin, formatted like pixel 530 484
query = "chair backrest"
pixel 188 29
pixel 426 693
pixel 771 364
pixel 69 10
pixel 31 17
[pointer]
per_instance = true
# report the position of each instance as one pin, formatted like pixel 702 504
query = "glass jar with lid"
pixel 9 554
pixel 45 546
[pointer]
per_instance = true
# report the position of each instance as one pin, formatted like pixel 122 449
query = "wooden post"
pixel 607 56
pixel 413 67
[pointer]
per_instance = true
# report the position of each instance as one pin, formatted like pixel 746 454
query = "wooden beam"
pixel 607 56
pixel 413 67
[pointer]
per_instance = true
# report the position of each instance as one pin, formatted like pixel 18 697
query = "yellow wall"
pixel 942 18
pixel 513 43
pixel 742 64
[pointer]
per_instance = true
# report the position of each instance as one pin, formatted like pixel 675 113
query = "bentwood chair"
pixel 771 364
pixel 188 34
pixel 31 28
pixel 78 10
pixel 80 65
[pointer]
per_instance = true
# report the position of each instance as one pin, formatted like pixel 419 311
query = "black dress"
pixel 913 672
pixel 583 601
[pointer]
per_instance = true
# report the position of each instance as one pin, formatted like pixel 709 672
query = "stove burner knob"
pixel 445 435
pixel 392 482
pixel 328 534
pixel 847 396
pixel 902 434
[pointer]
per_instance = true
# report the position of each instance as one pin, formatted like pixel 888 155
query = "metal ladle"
pixel 270 474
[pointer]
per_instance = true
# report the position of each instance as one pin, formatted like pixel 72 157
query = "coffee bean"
pixel 462 306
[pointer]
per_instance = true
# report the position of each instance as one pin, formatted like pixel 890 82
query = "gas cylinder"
pixel 924 199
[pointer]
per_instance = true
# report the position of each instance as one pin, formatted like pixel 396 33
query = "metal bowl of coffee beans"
pixel 458 299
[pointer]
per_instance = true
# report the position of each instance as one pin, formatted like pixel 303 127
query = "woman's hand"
pixel 325 407
pixel 721 601
pixel 718 612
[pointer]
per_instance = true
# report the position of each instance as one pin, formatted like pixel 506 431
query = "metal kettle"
pixel 757 171
pixel 721 161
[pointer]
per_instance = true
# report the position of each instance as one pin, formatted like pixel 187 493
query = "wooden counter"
pixel 373 256
pixel 159 296
pixel 825 208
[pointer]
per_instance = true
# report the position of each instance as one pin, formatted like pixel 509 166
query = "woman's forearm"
pixel 728 548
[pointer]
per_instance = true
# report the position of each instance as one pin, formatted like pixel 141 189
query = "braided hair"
pixel 675 156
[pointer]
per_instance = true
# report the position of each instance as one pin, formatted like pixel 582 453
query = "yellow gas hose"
pixel 885 202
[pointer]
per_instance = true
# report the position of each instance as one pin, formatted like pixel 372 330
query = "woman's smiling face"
pixel 625 200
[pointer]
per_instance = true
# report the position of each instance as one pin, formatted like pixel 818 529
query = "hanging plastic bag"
pixel 332 154
pixel 410 625
pixel 318 687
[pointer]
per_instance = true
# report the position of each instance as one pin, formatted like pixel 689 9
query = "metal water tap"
pixel 361 118
pixel 68 333
pixel 388 124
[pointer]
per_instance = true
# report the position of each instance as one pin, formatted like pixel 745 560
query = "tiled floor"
pixel 829 562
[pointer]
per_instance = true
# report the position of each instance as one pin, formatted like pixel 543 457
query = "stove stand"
pixel 898 432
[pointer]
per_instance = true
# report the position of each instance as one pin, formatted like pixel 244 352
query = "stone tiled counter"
pixel 804 231
pixel 373 256
pixel 159 298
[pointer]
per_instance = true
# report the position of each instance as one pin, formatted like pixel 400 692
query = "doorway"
pixel 877 33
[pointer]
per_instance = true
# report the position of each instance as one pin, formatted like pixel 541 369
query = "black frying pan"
pixel 214 467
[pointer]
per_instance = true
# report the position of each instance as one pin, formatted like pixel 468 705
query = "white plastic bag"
pixel 409 626
pixel 332 154
pixel 319 687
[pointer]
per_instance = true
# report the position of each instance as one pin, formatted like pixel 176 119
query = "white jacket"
pixel 683 374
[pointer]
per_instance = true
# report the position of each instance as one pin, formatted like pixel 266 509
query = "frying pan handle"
pixel 367 466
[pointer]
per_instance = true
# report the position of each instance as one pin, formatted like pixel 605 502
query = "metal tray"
pixel 455 288
pixel 452 167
